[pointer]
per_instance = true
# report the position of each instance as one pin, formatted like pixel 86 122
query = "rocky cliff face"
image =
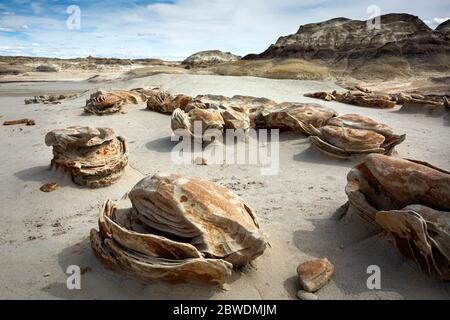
pixel 399 36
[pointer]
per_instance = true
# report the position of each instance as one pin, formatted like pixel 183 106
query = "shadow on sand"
pixel 312 155
pixel 100 283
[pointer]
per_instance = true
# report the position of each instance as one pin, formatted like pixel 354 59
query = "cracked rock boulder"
pixel 178 229
pixel 94 157
pixel 353 134
pixel 410 201
pixel 102 103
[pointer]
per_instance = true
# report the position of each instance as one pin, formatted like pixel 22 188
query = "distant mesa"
pixel 208 58
pixel 402 41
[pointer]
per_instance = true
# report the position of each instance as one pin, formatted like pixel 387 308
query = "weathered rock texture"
pixel 410 200
pixel 402 38
pixel 179 229
pixel 163 102
pixel 354 134
pixel 208 58
pixel 294 117
pixel 365 98
pixel 101 103
pixel 94 157
pixel 315 274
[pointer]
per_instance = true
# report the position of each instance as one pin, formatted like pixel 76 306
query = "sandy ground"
pixel 41 234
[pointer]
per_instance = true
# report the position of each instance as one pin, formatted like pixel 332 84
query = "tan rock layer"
pixel 352 134
pixel 93 156
pixel 410 200
pixel 180 229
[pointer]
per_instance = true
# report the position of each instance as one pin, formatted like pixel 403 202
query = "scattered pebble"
pixel 49 187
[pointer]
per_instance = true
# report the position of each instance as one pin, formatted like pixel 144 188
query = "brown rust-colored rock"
pixel 101 103
pixel 294 117
pixel 49 187
pixel 94 157
pixel 411 201
pixel 198 117
pixel 163 102
pixel 315 274
pixel 353 134
pixel 179 229
pixel 28 122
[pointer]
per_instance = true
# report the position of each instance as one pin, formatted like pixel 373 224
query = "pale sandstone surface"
pixel 44 233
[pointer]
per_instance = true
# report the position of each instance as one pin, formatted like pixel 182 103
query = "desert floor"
pixel 41 234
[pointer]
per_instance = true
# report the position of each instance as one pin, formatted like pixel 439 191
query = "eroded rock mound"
pixel 358 97
pixel 400 39
pixel 163 102
pixel 208 58
pixel 101 103
pixel 94 157
pixel 364 97
pixel 410 200
pixel 353 134
pixel 179 229
pixel 294 117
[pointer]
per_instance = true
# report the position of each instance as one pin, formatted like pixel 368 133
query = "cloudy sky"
pixel 173 29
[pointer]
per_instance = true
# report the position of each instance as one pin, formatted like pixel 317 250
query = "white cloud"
pixel 178 29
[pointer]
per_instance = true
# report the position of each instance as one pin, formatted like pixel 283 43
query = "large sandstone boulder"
pixel 294 117
pixel 353 134
pixel 94 157
pixel 410 200
pixel 163 102
pixel 101 103
pixel 179 229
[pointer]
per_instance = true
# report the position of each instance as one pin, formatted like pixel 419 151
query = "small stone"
pixel 304 295
pixel 314 274
pixel 48 274
pixel 201 161
pixel 49 187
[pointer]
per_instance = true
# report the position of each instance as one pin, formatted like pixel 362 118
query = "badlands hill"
pixel 402 45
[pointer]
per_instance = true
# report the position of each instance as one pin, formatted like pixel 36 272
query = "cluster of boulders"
pixel 364 97
pixel 244 113
pixel 101 103
pixel 179 229
pixel 49 99
pixel 410 200
pixel 94 157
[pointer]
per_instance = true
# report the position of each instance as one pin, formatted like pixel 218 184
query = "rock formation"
pixel 354 134
pixel 179 229
pixel 208 58
pixel 101 103
pixel 314 274
pixel 366 98
pixel 49 99
pixel 402 37
pixel 294 117
pixel 163 102
pixel 94 157
pixel 410 200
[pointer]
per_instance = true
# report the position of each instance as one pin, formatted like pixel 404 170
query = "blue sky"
pixel 174 29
